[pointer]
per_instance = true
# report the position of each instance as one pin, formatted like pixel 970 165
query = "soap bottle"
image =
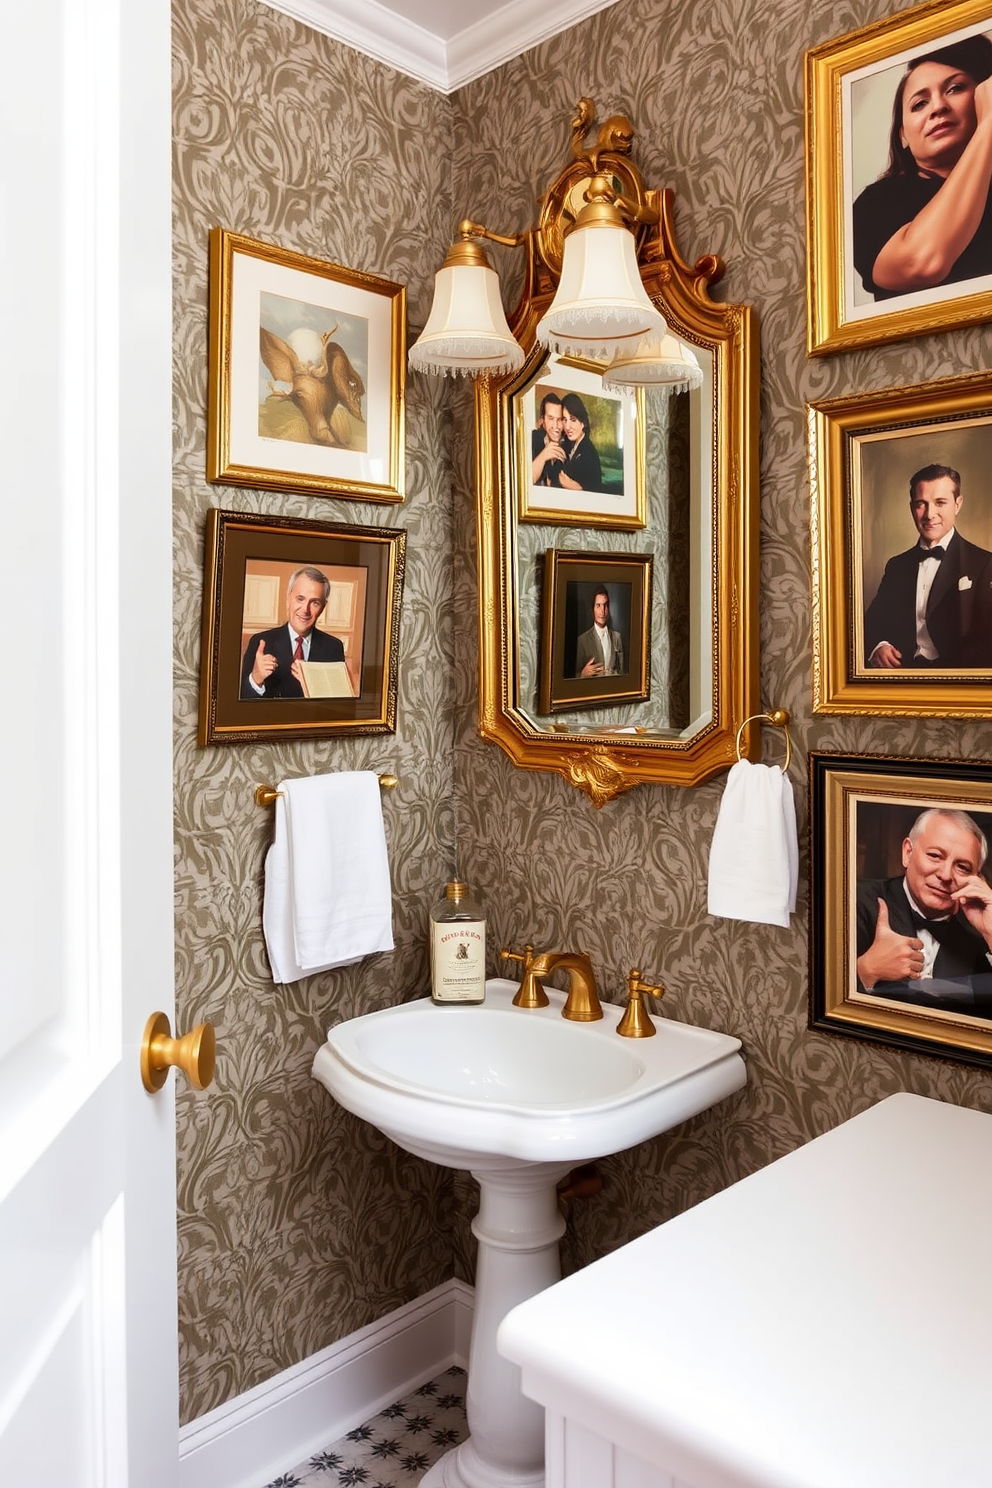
pixel 458 947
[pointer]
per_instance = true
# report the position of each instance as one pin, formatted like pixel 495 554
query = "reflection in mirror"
pixel 663 479
pixel 654 444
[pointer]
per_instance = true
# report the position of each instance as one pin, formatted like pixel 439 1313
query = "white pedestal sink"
pixel 517 1097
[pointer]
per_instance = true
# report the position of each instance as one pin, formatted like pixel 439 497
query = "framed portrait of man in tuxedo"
pixel 901 525
pixel 901 903
pixel 300 628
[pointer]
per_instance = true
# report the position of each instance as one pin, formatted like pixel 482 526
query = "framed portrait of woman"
pixel 898 172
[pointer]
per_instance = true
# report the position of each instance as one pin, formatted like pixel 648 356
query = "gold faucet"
pixel 636 1021
pixel 582 1003
pixel 531 994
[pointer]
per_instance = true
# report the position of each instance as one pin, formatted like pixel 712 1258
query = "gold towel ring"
pixel 266 795
pixel 779 717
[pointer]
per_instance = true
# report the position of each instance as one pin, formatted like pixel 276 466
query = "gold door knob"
pixel 194 1054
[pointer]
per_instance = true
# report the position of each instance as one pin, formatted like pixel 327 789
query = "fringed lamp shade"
pixel 601 308
pixel 466 331
pixel 668 363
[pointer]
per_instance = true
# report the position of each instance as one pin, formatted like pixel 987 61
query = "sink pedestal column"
pixel 518 1228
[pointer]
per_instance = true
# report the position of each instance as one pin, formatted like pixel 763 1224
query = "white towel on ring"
pixel 327 894
pixel 754 856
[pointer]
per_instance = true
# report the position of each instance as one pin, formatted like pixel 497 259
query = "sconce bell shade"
pixel 466 331
pixel 669 363
pixel 601 308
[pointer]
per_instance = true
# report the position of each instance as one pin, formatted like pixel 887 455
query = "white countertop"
pixel 825 1323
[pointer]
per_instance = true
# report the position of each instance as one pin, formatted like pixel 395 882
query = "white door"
pixel 88 1389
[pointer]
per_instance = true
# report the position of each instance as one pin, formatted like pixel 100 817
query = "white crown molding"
pixel 379 32
pixel 376 31
pixel 509 31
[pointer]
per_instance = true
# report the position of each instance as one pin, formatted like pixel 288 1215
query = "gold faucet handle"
pixel 531 994
pixel 636 1021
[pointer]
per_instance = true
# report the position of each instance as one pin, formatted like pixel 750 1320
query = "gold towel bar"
pixel 265 795
pixel 779 717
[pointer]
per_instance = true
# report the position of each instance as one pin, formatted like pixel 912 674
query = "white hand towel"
pixel 754 856
pixel 327 892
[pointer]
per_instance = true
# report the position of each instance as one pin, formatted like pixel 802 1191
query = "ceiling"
pixel 443 43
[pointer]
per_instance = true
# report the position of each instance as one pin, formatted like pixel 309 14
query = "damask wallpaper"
pixel 299 1224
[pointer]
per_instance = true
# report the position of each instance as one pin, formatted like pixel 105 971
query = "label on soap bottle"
pixel 458 961
pixel 458 948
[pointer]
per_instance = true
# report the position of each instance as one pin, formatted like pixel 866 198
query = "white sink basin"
pixel 460 1084
pixel 516 1096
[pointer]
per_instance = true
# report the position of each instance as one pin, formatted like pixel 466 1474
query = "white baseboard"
pixel 270 1429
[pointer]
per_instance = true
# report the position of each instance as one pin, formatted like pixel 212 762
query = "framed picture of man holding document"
pixel 300 628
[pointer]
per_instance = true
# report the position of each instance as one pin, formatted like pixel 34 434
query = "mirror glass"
pixel 654 439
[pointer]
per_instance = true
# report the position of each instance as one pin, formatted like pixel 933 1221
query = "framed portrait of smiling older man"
pixel 307 364
pixel 300 629
pixel 898 168
pixel 901 903
pixel 902 550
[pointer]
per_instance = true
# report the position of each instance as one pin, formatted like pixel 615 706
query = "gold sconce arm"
pixel 469 229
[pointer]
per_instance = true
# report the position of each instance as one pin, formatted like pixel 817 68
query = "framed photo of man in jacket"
pixel 902 525
pixel 596 616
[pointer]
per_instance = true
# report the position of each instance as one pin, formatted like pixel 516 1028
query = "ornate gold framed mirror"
pixel 677 480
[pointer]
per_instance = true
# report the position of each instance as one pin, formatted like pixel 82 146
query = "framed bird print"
pixel 307 374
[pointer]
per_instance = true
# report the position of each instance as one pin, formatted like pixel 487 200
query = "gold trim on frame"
pixel 560 692
pixel 839 685
pixel 335 471
pixel 828 329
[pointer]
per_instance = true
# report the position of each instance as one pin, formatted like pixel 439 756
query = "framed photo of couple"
pixel 899 239
pixel 580 450
pixel 901 904
pixel 895 476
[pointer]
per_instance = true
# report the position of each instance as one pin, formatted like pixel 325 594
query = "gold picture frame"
pixel 850 87
pixel 352 656
pixel 307 368
pixel 571 665
pixel 863 809
pixel 616 432
pixel 863 450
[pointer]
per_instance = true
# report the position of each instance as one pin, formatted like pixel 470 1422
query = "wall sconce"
pixel 670 363
pixel 586 246
pixel 466 331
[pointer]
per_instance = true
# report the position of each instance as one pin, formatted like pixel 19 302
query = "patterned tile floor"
pixel 396 1448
